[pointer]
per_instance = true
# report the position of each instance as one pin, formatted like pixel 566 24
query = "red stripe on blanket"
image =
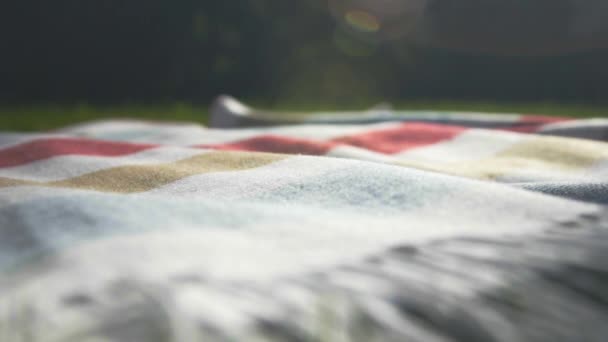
pixel 533 123
pixel 276 144
pixel 47 148
pixel 402 137
pixel 392 140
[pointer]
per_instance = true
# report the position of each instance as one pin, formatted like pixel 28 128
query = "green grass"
pixel 37 118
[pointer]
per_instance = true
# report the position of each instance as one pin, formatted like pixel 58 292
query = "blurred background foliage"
pixel 276 53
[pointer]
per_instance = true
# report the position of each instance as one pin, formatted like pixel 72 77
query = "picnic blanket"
pixel 365 226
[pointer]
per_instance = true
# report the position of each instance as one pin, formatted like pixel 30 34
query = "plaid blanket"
pixel 369 226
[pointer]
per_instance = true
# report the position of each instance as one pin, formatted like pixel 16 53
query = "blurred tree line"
pixel 116 51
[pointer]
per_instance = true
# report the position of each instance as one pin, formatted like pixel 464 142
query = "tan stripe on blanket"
pixel 139 178
pixel 544 154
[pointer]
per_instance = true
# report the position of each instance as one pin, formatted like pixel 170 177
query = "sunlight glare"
pixel 362 21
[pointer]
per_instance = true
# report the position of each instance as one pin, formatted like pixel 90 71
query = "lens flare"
pixel 351 45
pixel 362 21
pixel 381 20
